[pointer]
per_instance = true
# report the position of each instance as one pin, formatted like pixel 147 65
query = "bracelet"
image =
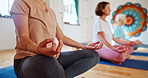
pixel 30 46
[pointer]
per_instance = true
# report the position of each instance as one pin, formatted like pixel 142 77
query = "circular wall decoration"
pixel 136 16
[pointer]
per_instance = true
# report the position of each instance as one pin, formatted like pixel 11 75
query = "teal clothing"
pixel 118 32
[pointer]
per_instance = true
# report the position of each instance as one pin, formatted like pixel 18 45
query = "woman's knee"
pixel 39 60
pixel 93 54
pixel 130 50
pixel 121 58
pixel 42 66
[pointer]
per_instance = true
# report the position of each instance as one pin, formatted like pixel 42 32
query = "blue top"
pixel 118 32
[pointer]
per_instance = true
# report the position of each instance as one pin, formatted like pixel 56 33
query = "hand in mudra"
pixel 120 48
pixel 94 46
pixel 132 43
pixel 49 51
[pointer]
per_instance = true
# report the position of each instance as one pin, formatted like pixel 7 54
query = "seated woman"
pixel 37 54
pixel 119 33
pixel 102 32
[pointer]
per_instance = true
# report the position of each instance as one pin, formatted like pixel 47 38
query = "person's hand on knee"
pixel 94 46
pixel 119 48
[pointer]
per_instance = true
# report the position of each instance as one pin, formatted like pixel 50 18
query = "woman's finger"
pixel 53 46
pixel 59 46
pixel 89 47
pixel 45 42
pixel 52 49
pixel 96 42
pixel 101 45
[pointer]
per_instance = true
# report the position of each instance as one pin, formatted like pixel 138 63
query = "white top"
pixel 101 26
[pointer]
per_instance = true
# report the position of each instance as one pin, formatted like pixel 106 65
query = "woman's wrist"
pixel 32 48
pixel 83 47
pixel 112 47
pixel 29 46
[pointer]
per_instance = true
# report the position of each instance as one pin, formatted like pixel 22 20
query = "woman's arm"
pixel 103 39
pixel 67 41
pixel 121 41
pixel 21 23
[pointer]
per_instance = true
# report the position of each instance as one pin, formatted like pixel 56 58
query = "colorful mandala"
pixel 137 18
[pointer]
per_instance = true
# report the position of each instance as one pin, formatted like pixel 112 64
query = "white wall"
pixel 76 32
pixel 114 4
pixel 87 16
pixel 82 33
pixel 7 34
pixel 57 6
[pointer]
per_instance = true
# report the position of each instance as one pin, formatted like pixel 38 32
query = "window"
pixel 5 6
pixel 70 12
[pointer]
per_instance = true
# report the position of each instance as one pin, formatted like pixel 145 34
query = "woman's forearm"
pixel 72 43
pixel 103 39
pixel 105 42
pixel 120 41
pixel 28 45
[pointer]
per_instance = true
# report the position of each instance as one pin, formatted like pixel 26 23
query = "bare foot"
pixel 118 63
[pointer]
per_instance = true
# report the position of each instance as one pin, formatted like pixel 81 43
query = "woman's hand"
pixel 131 43
pixel 94 46
pixel 120 48
pixel 138 42
pixel 49 51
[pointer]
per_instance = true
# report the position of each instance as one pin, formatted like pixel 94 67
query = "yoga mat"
pixel 130 63
pixel 7 72
pixel 143 45
pixel 139 54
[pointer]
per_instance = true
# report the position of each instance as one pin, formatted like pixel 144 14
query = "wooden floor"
pixel 98 71
pixel 6 58
pixel 108 71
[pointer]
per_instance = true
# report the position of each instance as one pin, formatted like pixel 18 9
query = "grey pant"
pixel 68 65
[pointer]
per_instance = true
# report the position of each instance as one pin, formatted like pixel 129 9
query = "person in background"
pixel 102 32
pixel 37 54
pixel 120 34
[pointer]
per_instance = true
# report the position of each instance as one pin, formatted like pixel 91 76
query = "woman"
pixel 102 32
pixel 37 55
pixel 119 33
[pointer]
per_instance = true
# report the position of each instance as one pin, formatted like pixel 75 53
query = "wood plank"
pixel 138 57
pixel 145 50
pixel 6 57
pixel 108 71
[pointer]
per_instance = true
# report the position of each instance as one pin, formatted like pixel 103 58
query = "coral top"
pixel 42 24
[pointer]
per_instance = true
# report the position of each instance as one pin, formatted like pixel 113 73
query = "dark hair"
pixel 99 8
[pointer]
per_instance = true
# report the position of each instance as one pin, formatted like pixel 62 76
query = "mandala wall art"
pixel 136 16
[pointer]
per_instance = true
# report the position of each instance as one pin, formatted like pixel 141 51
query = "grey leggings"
pixel 68 65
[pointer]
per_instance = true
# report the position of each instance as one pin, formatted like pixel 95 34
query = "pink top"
pixel 42 24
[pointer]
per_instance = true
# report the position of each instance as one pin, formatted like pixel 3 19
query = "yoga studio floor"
pixel 98 71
